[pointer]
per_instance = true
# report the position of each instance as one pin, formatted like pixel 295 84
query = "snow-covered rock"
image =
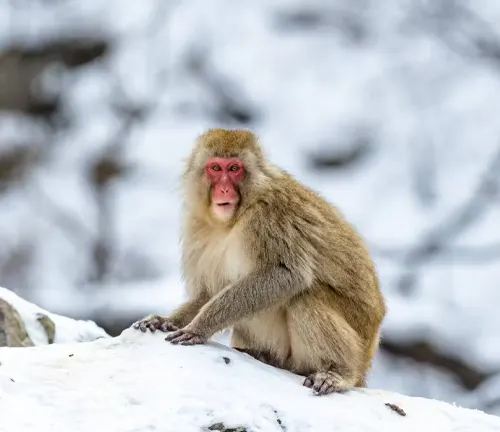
pixel 138 382
pixel 40 327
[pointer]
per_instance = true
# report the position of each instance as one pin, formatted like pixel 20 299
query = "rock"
pixel 12 329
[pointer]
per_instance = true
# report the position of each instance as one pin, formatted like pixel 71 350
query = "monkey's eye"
pixel 234 168
pixel 216 167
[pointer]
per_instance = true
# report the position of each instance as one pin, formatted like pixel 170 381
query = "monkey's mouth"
pixel 224 209
pixel 230 203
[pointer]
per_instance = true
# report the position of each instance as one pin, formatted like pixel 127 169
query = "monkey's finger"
pixel 193 340
pixel 318 382
pixel 185 337
pixel 327 387
pixel 174 335
pixel 142 327
pixel 151 327
pixel 325 390
pixel 308 382
pixel 184 342
pixel 168 326
pixel 180 339
pixel 178 336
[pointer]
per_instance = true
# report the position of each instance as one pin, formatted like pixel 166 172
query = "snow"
pixel 422 102
pixel 67 330
pixel 139 382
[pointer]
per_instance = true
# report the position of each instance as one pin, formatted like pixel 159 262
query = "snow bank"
pixel 139 382
pixel 67 330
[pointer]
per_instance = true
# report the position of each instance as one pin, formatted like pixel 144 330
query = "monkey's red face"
pixel 224 176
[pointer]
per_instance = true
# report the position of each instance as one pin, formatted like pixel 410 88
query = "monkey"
pixel 271 259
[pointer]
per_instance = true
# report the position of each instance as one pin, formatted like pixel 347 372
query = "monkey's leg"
pixel 242 343
pixel 323 346
pixel 361 382
pixel 178 319
pixel 372 349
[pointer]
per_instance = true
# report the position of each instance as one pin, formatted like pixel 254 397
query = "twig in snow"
pixel 396 408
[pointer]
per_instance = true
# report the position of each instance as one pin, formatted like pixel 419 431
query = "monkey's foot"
pixel 155 322
pixel 185 337
pixel 324 383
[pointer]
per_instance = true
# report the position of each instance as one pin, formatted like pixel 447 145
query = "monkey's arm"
pixel 256 292
pixel 185 313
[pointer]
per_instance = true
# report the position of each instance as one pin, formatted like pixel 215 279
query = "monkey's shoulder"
pixel 287 204
pixel 290 218
pixel 289 193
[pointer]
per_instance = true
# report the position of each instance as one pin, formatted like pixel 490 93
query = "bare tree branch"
pixel 422 352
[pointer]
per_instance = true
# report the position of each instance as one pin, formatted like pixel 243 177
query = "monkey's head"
pixel 223 168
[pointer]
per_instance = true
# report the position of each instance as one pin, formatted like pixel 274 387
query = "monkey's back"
pixel 311 232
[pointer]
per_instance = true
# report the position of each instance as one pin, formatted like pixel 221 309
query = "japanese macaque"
pixel 271 259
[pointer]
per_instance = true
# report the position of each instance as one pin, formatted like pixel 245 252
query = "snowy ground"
pixel 138 382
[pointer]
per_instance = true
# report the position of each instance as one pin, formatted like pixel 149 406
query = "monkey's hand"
pixel 186 337
pixel 326 382
pixel 155 322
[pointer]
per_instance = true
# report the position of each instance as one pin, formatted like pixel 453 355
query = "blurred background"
pixel 390 109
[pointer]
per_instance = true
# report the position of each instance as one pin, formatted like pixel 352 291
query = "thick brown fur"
pixel 287 272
